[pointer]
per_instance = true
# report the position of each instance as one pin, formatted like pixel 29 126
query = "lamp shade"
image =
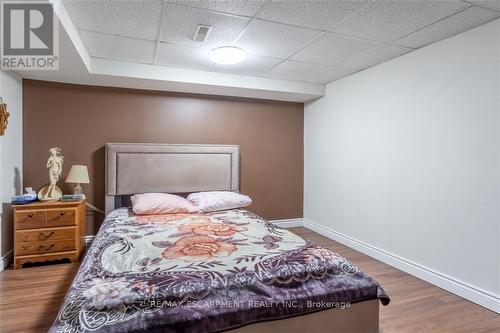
pixel 78 174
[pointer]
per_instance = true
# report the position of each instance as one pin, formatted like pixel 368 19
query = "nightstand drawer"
pixel 45 235
pixel 45 247
pixel 30 219
pixel 61 217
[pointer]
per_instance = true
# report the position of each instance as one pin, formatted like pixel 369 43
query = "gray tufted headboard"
pixel 170 168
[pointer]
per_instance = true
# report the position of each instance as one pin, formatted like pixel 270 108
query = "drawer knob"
pixel 30 215
pixel 62 213
pixel 44 236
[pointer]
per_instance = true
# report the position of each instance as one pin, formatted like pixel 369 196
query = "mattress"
pixel 204 273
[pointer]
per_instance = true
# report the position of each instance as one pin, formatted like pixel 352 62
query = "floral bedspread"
pixel 203 273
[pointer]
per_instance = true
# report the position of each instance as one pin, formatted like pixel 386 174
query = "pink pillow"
pixel 160 203
pixel 218 200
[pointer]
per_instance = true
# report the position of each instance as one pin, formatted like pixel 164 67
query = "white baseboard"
pixel 472 293
pixel 463 289
pixel 6 259
pixel 288 223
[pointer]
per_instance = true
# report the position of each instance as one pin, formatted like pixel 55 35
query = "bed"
pixel 220 271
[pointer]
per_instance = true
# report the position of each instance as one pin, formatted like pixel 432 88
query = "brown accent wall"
pixel 81 119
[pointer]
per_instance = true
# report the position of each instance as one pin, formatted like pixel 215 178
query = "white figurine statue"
pixel 51 192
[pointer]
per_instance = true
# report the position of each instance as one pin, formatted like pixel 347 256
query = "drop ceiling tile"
pixel 301 71
pixel 236 7
pixel 334 74
pixel 139 19
pixel 322 15
pixel 375 56
pixel 118 48
pixel 491 4
pixel 253 65
pixel 333 49
pixel 462 21
pixel 174 55
pixel 180 23
pixel 274 40
pixel 389 20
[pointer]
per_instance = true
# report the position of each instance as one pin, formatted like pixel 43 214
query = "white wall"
pixel 405 158
pixel 11 156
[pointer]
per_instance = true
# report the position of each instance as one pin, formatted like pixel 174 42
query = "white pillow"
pixel 218 200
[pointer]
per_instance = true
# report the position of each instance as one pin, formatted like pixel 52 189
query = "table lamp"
pixel 78 174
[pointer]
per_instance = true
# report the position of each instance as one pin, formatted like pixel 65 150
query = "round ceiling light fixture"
pixel 228 55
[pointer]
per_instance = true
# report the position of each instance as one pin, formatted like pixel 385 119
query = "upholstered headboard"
pixel 147 167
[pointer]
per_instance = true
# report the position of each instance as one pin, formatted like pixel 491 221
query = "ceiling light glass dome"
pixel 228 55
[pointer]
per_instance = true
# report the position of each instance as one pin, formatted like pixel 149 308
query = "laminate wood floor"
pixel 30 298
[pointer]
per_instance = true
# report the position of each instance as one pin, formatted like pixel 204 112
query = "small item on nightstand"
pixel 73 197
pixel 78 174
pixel 24 199
pixel 55 162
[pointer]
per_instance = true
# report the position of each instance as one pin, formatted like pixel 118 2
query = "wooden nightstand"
pixel 46 231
